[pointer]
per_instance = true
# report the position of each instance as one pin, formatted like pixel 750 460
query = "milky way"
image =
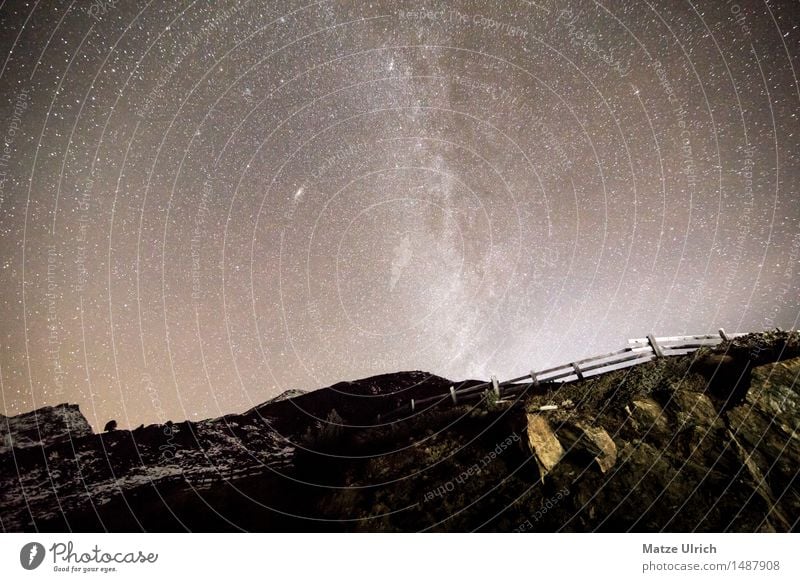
pixel 205 204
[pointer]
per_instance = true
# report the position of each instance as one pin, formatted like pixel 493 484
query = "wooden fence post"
pixel 628 357
pixel 654 344
pixel 577 371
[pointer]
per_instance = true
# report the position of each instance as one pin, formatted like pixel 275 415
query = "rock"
pixel 599 437
pixel 708 364
pixel 648 413
pixel 761 485
pixel 543 443
pixel 764 430
pixel 44 425
pixel 699 407
pixel 774 391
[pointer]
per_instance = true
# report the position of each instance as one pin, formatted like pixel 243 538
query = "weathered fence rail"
pixel 637 352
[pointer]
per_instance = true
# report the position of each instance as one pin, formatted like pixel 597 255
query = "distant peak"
pixel 286 395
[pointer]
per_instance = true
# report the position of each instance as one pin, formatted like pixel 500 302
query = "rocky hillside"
pixel 703 442
pixel 48 425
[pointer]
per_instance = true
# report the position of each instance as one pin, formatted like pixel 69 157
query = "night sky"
pixel 203 204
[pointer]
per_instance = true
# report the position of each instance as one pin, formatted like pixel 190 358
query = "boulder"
pixel 543 443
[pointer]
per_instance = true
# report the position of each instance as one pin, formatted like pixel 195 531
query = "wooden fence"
pixel 637 352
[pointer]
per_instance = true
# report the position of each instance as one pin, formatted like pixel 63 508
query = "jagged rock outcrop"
pixel 544 444
pixel 286 395
pixel 694 452
pixel 703 442
pixel 59 475
pixel 50 424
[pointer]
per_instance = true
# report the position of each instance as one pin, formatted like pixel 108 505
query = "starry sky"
pixel 204 204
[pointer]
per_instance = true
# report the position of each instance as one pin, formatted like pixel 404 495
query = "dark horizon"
pixel 693 435
pixel 426 377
